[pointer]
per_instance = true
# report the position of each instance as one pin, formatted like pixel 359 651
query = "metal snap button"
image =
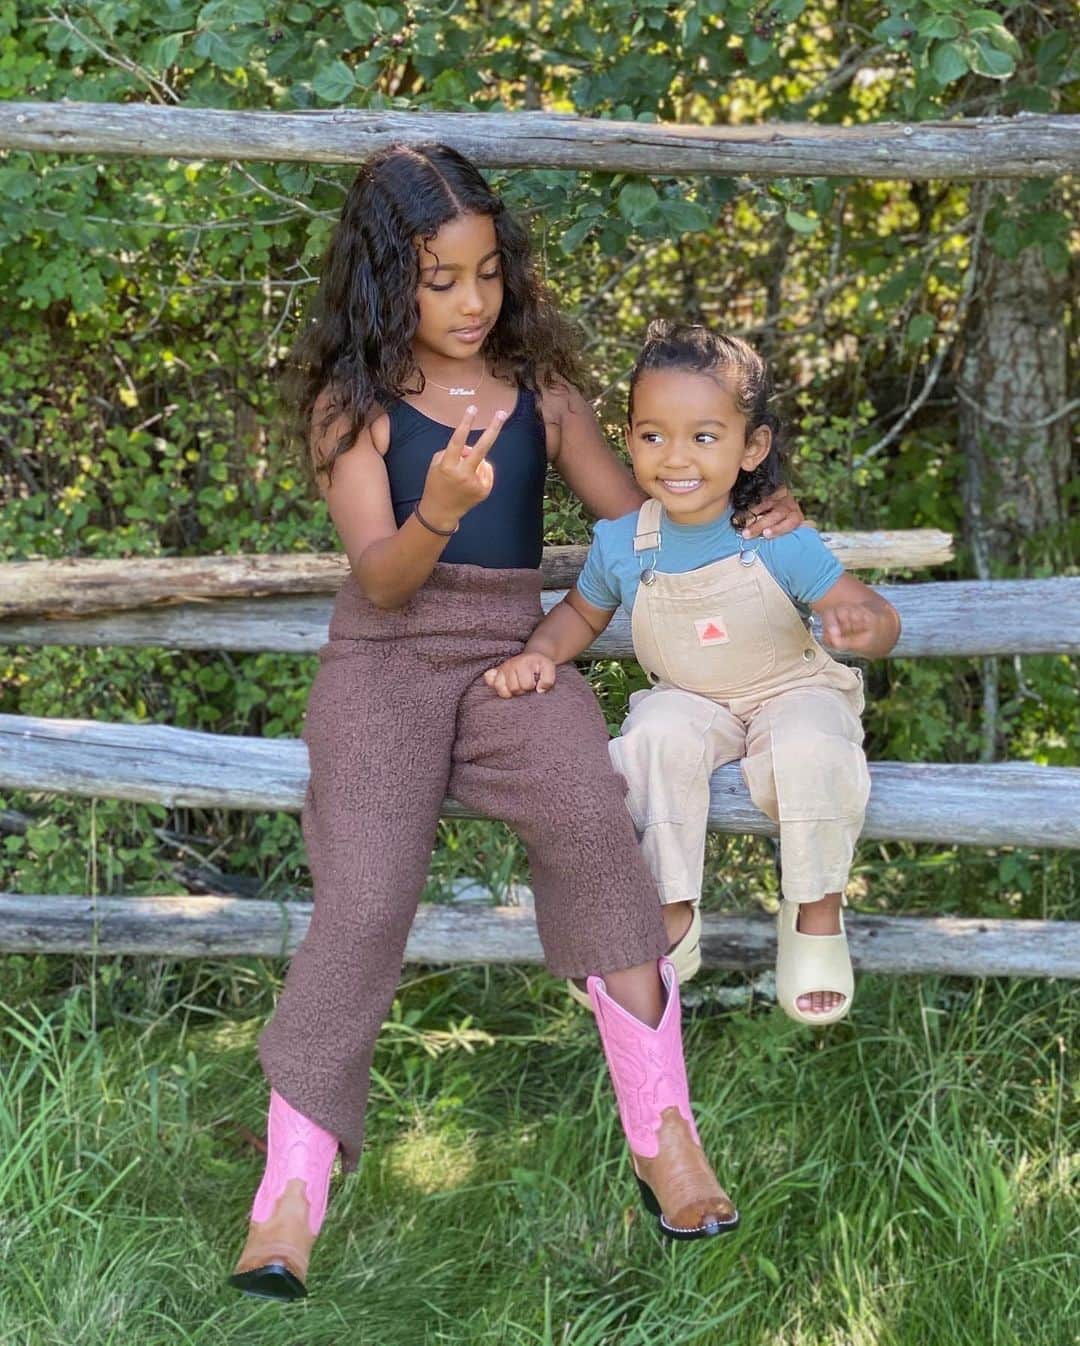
pixel 808 655
pixel 648 576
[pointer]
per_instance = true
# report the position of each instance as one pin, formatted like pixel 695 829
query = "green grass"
pixel 907 1179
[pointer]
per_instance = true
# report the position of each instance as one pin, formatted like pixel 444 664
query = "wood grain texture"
pixel 960 617
pixel 225 927
pixel 85 586
pixel 1025 146
pixel 1008 803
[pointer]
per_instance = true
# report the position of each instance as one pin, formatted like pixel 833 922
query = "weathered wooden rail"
pixel 1011 803
pixel 81 586
pixel 223 927
pixel 957 618
pixel 1025 146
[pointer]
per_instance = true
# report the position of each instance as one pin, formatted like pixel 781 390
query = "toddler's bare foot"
pixel 820 918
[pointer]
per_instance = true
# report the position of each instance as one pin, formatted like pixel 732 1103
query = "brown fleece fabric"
pixel 399 716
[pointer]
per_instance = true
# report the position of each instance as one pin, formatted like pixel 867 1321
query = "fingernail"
pixel 746 532
pixel 767 533
pixel 470 411
pixel 500 415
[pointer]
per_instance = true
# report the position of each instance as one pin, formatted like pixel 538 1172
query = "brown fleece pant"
pixel 399 716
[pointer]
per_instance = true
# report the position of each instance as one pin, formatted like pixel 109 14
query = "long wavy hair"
pixel 687 346
pixel 357 347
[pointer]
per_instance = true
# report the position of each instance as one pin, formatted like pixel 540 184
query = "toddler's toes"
pixel 820 1002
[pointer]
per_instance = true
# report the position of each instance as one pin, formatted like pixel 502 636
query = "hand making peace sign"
pixel 460 475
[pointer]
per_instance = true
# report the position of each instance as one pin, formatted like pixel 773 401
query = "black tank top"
pixel 503 532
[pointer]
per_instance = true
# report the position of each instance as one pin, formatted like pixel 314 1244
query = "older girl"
pixel 435 387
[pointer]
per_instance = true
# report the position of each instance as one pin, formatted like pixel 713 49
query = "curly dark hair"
pixel 358 346
pixel 670 345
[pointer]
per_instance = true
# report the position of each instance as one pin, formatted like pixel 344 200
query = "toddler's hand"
pixel 523 673
pixel 850 626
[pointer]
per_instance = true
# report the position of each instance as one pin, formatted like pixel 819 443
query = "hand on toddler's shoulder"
pixel 523 673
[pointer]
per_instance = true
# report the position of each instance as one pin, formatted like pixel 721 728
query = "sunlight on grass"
pixel 907 1179
pixel 427 1161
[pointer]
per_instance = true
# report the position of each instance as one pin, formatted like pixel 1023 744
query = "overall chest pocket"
pixel 715 643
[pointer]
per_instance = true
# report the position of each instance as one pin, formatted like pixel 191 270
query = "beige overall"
pixel 738 677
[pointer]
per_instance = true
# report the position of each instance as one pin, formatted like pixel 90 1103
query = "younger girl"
pixel 429 304
pixel 736 674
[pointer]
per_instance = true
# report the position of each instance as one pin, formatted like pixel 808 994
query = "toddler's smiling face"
pixel 687 438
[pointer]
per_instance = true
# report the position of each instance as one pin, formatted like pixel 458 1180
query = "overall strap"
pixel 647 536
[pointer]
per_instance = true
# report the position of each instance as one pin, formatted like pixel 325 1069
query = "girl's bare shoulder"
pixel 331 421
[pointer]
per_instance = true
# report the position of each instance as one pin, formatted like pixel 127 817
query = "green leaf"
pixel 920 329
pixel 575 235
pixel 802 224
pixel 1005 239
pixel 389 18
pixel 685 217
pixel 982 20
pixel 636 200
pixel 163 51
pixel 758 49
pixel 360 20
pixel 989 61
pixel 334 82
pixel 893 28
pixel 219 51
pixel 223 13
pixel 1056 256
pixel 948 62
pixel 1051 54
pixel 938 25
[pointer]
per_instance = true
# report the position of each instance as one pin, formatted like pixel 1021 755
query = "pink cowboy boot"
pixel 649 1075
pixel 289 1205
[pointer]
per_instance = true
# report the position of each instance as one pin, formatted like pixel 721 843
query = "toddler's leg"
pixel 806 769
pixel 669 746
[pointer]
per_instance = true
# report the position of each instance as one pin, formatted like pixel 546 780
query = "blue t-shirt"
pixel 800 562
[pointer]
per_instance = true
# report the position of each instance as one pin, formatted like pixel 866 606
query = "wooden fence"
pixel 280 603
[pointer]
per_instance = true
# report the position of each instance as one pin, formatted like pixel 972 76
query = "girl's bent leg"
pixel 540 763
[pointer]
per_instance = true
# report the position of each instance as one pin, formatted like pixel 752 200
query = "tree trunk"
pixel 1012 380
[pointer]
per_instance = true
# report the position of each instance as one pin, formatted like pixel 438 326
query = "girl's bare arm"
pixel 583 458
